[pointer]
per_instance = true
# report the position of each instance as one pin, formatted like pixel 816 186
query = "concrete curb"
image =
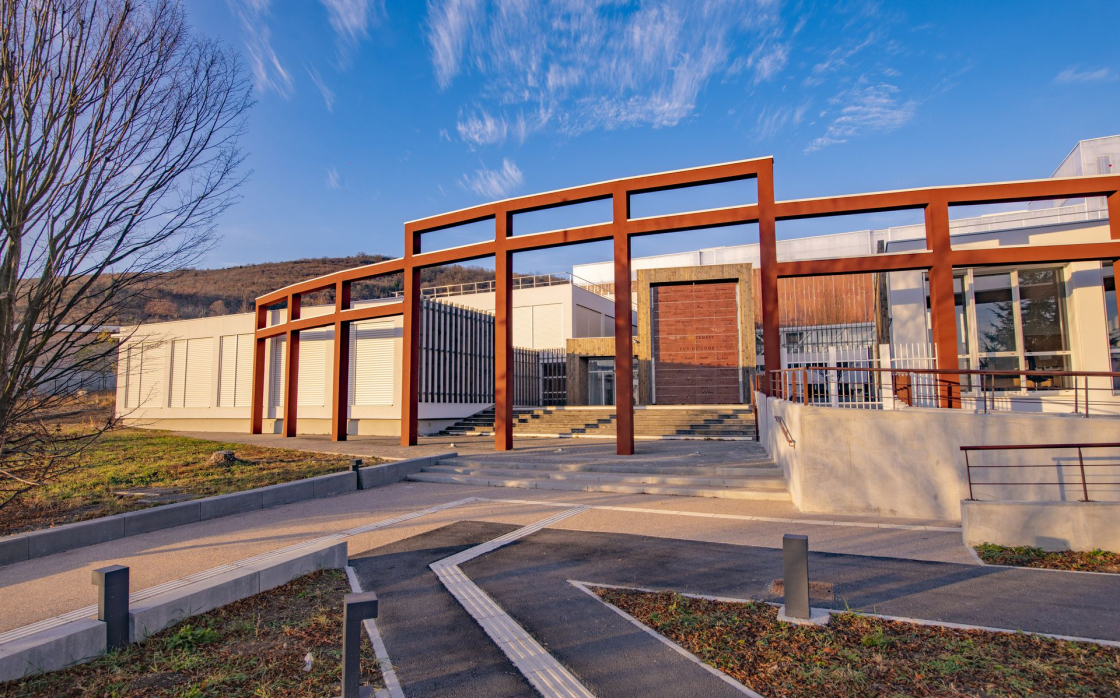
pixel 83 640
pixel 33 544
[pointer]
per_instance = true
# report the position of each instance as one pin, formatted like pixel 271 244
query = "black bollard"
pixel 112 604
pixel 356 465
pixel 355 609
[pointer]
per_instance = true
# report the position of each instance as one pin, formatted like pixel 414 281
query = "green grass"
pixel 127 459
pixel 1026 556
pixel 254 648
pixel 855 655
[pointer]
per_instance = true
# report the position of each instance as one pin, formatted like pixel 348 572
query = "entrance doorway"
pixel 600 382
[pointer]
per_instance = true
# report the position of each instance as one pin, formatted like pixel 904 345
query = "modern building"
pixel 697 328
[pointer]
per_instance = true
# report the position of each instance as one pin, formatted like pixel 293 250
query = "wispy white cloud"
pixel 863 109
pixel 772 120
pixel 480 128
pixel 269 72
pixel 1074 74
pixel 574 65
pixel 334 180
pixel 351 21
pixel 317 79
pixel 494 184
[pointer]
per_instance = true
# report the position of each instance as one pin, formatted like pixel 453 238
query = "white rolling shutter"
pixel 145 384
pixel 372 366
pixel 132 358
pixel 200 364
pixel 178 373
pixel 235 371
pixel 276 378
pixel 523 327
pixel 243 393
pixel 313 367
pixel 191 363
pixel 227 370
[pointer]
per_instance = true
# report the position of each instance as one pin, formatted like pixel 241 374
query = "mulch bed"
pixel 256 647
pixel 860 656
pixel 1025 556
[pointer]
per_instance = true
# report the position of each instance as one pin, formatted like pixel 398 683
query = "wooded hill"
pixel 195 293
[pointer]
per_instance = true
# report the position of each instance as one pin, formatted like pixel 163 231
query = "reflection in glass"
pixel 1002 363
pixel 995 313
pixel 1042 310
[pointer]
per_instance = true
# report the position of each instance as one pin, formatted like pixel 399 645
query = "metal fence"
pixel 1066 474
pixel 457 361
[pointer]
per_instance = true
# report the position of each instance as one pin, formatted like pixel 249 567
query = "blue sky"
pixel 374 112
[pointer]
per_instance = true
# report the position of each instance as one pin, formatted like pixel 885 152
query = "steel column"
pixel 340 396
pixel 410 376
pixel 768 260
pixel 942 307
pixel 623 329
pixel 291 369
pixel 1114 215
pixel 256 408
pixel 503 336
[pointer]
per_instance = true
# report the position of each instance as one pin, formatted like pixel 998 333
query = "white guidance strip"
pixel 143 594
pixel 546 674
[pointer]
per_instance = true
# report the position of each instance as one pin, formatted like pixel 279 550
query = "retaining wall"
pixel 1046 525
pixel 908 462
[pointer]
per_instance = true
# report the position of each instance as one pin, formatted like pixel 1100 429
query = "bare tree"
pixel 120 130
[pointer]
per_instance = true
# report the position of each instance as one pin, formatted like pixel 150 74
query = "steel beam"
pixel 256 407
pixel 503 337
pixel 942 307
pixel 768 259
pixel 340 388
pixel 291 368
pixel 410 375
pixel 623 330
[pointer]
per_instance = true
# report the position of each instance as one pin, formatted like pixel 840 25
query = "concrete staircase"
pixel 702 422
pixel 754 480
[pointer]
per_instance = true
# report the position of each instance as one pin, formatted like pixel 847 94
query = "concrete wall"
pixel 1046 525
pixel 908 463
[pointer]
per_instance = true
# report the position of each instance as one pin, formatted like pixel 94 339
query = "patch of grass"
pixel 253 648
pixel 855 655
pixel 1026 556
pixel 131 459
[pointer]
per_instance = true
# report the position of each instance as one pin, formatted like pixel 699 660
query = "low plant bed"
pixel 857 655
pixel 1026 556
pixel 130 469
pixel 255 647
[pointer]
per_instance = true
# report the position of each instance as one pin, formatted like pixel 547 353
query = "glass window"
pixel 995 313
pixel 1040 301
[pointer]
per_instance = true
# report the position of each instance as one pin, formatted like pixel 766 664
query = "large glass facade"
pixel 1013 320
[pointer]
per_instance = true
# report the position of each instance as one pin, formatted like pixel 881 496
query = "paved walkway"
pixel 48 586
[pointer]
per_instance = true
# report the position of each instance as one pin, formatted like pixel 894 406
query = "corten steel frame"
pixel 938 260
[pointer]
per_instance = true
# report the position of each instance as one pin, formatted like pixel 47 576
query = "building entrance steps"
pixel 747 473
pixel 693 421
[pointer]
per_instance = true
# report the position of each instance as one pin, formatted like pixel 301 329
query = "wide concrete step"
pixel 771 483
pixel 764 469
pixel 585 486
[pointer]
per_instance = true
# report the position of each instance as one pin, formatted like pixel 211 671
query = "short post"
pixel 795 568
pixel 356 466
pixel 112 604
pixel 355 609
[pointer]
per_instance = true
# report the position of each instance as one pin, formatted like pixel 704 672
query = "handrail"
pixel 1025 447
pixel 785 430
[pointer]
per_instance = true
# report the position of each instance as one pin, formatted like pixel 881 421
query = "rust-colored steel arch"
pixel 938 260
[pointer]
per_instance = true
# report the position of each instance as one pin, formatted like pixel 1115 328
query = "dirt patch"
pixel 856 655
pixel 1025 556
pixel 254 647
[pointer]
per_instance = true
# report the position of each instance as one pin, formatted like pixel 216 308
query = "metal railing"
pixel 519 282
pixel 1087 393
pixel 1080 465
